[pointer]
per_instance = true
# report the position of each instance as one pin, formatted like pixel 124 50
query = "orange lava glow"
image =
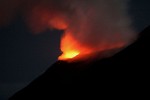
pixel 68 55
pixel 70 48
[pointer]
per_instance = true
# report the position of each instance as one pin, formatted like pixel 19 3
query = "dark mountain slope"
pixel 126 71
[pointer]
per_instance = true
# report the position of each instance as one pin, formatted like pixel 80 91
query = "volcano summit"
pixel 126 70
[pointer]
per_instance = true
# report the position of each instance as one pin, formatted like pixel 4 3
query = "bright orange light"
pixel 68 55
pixel 71 48
pixel 68 47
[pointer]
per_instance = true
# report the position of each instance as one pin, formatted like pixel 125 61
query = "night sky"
pixel 24 56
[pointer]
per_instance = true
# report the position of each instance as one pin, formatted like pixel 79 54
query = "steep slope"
pixel 127 70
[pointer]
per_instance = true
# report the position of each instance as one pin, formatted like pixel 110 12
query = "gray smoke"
pixel 98 24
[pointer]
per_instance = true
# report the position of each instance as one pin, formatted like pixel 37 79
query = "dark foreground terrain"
pixel 128 71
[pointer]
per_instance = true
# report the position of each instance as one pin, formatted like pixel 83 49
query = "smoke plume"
pixel 95 24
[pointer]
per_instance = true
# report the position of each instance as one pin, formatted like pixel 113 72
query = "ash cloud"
pixel 101 23
pixel 96 24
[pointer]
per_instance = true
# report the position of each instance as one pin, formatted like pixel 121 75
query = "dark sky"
pixel 24 56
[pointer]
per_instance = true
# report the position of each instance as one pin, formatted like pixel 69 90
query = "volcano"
pixel 126 70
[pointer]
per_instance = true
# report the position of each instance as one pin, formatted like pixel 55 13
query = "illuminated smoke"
pixel 96 25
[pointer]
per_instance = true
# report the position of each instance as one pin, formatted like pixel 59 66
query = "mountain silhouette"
pixel 126 70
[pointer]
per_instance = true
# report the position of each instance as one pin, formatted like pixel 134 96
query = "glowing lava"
pixel 72 49
pixel 68 55
pixel 69 47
